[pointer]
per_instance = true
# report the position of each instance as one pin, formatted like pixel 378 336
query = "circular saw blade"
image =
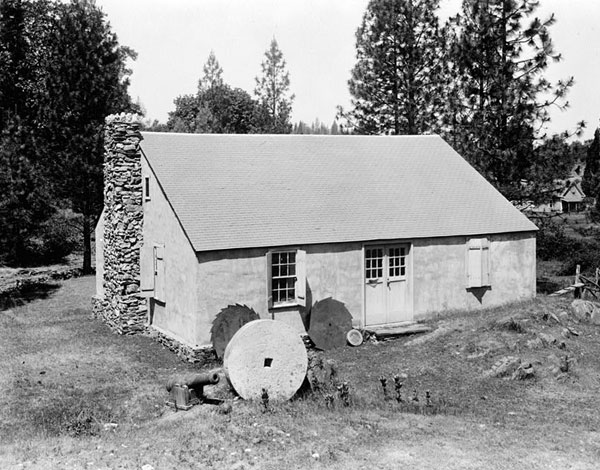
pixel 227 322
pixel 330 321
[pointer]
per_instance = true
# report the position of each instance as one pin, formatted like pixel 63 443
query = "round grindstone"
pixel 266 354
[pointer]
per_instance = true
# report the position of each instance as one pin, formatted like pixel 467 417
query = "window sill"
pixel 285 305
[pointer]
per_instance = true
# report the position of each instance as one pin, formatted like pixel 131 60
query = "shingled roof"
pixel 243 191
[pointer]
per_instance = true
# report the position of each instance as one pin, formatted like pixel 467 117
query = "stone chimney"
pixel 121 306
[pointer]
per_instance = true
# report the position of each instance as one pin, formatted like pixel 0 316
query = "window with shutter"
pixel 286 278
pixel 147 271
pixel 478 263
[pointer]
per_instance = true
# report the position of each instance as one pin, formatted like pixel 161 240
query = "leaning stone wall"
pixel 121 306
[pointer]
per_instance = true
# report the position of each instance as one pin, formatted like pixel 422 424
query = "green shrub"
pixel 586 254
pixel 55 239
pixel 552 242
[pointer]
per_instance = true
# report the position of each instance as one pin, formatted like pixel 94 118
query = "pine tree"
pixel 85 79
pixel 500 100
pixel 398 82
pixel 334 130
pixel 591 176
pixel 272 91
pixel 212 74
pixel 26 201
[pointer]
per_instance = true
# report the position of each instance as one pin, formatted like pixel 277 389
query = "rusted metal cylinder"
pixel 194 381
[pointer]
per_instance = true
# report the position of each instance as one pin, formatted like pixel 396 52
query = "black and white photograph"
pixel 315 234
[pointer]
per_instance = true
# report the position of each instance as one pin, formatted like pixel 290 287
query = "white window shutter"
pixel 269 260
pixel 147 271
pixel 159 274
pixel 301 277
pixel 474 263
pixel 485 262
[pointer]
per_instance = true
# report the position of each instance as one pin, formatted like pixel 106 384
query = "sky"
pixel 173 39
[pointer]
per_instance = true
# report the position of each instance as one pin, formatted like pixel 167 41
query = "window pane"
pixel 397 261
pixel 374 263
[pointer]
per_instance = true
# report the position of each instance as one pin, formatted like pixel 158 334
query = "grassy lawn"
pixel 74 395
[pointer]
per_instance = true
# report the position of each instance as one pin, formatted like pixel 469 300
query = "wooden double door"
pixel 387 277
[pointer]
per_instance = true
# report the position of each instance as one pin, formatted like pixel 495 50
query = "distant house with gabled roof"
pixel 397 228
pixel 567 197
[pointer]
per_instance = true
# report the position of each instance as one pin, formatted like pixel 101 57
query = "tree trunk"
pixel 87 245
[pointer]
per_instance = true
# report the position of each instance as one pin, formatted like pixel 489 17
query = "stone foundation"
pixel 201 355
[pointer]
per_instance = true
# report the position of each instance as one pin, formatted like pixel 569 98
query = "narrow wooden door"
pixel 375 288
pixel 386 284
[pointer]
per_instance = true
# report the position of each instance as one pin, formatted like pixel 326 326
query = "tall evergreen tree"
pixel 273 91
pixel 25 199
pixel 86 79
pixel 501 99
pixel 213 74
pixel 398 82
pixel 69 75
pixel 591 176
pixel 216 107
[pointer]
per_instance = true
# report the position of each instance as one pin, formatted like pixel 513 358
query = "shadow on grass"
pixel 547 286
pixel 26 293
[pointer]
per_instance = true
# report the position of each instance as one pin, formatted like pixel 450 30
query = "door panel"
pixel 397 299
pixel 374 284
pixel 386 284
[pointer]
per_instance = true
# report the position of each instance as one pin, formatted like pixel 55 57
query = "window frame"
pixel 147 188
pixel 299 277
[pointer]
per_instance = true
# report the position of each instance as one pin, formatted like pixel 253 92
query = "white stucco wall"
pixel 336 270
pixel 240 276
pixel 177 316
pixel 440 274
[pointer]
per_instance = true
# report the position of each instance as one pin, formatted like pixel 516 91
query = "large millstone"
pixel 266 354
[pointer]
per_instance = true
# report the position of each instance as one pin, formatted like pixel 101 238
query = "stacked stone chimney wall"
pixel 121 307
